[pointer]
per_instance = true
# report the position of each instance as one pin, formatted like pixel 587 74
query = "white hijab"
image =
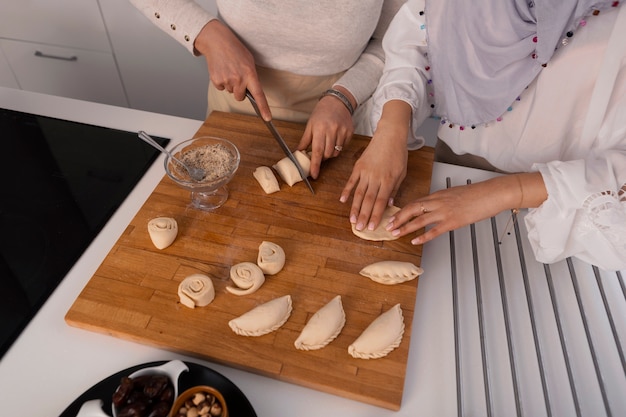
pixel 484 53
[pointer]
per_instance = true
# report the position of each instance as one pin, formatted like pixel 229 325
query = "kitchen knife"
pixel 280 141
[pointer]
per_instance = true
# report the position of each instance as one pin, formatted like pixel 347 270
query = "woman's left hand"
pixel 456 207
pixel 328 130
pixel 446 210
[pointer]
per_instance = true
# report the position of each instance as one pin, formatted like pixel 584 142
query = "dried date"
pixel 137 409
pixel 161 409
pixel 155 386
pixel 144 396
pixel 120 396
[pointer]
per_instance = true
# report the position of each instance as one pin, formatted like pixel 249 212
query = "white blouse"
pixel 544 130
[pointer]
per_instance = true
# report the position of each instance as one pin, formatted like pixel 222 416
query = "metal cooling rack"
pixel 527 339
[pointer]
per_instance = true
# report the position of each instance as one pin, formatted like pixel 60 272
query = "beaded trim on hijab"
pixel 563 42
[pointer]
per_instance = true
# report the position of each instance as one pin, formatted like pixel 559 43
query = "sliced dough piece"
pixel 391 272
pixel 248 278
pixel 162 231
pixel 266 178
pixel 382 336
pixel 196 290
pixel 271 258
pixel 264 318
pixel 379 233
pixel 323 327
pixel 288 170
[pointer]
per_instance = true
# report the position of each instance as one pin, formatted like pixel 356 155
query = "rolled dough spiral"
pixel 162 231
pixel 271 258
pixel 247 276
pixel 196 290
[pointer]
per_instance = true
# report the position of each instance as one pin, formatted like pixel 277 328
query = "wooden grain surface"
pixel 133 294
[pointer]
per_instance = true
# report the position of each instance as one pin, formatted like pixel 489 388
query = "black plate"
pixel 238 404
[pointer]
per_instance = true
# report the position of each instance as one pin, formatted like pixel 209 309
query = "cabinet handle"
pixel 62 58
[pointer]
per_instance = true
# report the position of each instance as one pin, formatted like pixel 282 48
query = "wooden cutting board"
pixel 133 294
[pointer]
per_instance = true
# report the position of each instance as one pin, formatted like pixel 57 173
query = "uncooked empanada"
pixel 266 179
pixel 380 233
pixel 248 278
pixel 382 336
pixel 196 290
pixel 391 272
pixel 162 231
pixel 271 258
pixel 264 318
pixel 288 171
pixel 323 327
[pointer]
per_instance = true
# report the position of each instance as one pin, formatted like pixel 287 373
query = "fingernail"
pixel 390 203
pixel 416 241
pixel 353 219
pixel 371 226
pixel 343 199
pixel 396 232
pixel 389 226
pixel 360 226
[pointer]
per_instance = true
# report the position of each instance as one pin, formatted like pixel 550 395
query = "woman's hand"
pixel 328 130
pixel 380 170
pixel 460 206
pixel 230 64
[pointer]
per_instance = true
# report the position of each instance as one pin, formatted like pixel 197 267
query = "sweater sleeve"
pixel 361 79
pixel 585 213
pixel 181 19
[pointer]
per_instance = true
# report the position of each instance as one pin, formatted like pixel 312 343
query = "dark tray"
pixel 238 404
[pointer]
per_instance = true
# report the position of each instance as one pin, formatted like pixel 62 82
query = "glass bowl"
pixel 217 156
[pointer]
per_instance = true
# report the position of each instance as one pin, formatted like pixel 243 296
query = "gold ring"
pixel 338 148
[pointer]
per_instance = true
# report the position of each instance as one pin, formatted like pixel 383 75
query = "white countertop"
pixel 56 363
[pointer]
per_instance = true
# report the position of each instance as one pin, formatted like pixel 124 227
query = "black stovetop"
pixel 61 182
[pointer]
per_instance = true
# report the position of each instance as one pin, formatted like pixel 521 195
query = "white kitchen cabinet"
pixel 69 23
pixel 104 51
pixel 60 47
pixel 68 72
pixel 159 74
pixel 6 74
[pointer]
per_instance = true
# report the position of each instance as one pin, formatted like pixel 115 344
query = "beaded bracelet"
pixel 342 97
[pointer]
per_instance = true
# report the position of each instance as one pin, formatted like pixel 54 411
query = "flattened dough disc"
pixel 379 233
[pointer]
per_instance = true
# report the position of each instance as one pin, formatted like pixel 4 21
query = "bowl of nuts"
pixel 200 401
pixel 149 392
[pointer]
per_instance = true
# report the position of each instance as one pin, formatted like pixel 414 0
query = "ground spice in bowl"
pixel 216 160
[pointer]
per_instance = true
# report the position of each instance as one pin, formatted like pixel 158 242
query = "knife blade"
pixel 280 141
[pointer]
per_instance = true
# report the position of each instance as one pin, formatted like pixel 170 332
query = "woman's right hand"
pixel 230 64
pixel 379 172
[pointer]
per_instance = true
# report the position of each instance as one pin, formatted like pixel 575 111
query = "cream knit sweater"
pixel 308 38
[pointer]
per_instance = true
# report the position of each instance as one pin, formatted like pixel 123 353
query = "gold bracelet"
pixel 339 95
pixel 515 210
pixel 521 190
